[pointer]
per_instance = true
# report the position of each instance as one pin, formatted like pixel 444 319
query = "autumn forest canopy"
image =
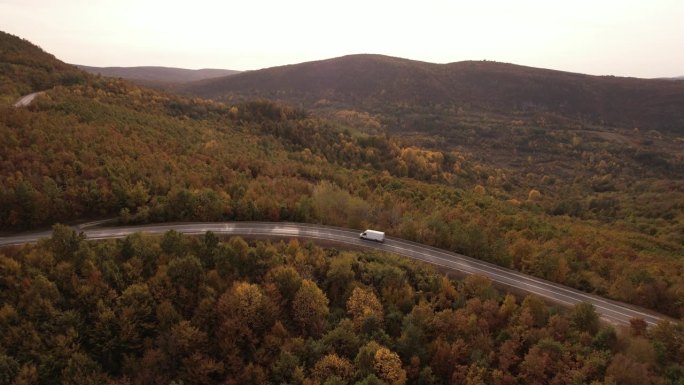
pixel 205 310
pixel 595 205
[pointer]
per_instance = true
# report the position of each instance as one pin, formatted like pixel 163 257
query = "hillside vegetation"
pixel 105 147
pixel 380 84
pixel 162 77
pixel 25 68
pixel 109 148
pixel 178 310
pixel 594 148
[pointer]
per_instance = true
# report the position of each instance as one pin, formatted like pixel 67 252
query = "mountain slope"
pixel 371 82
pixel 25 68
pixel 158 75
pixel 105 147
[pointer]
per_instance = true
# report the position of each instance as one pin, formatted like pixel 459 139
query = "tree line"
pixel 205 310
pixel 107 148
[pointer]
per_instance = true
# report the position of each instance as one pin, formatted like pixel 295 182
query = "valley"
pixel 569 178
pixel 158 77
pixel 565 205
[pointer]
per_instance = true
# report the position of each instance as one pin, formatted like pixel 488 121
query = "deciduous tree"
pixel 363 304
pixel 310 309
pixel 388 367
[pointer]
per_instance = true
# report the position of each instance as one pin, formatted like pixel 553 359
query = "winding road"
pixel 611 311
pixel 24 101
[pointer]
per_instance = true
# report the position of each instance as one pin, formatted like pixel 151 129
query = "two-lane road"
pixel 25 100
pixel 611 311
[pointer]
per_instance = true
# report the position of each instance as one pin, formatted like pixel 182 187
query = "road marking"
pixel 427 254
pixel 513 274
pixel 511 281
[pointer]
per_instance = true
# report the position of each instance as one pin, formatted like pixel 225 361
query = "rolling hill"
pixel 382 84
pixel 596 210
pixel 25 68
pixel 203 310
pixel 158 76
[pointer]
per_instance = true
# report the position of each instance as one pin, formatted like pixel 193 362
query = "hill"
pixel 610 223
pixel 208 311
pixel 158 76
pixel 379 84
pixel 25 68
pixel 535 130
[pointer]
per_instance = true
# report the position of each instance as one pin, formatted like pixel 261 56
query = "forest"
pixel 107 148
pixel 610 222
pixel 174 309
pixel 25 68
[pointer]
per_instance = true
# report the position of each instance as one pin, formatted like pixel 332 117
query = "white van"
pixel 373 235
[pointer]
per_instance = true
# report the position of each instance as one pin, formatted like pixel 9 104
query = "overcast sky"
pixel 624 38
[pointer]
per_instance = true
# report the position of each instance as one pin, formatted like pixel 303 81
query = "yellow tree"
pixel 332 365
pixel 446 295
pixel 388 367
pixel 363 304
pixel 244 313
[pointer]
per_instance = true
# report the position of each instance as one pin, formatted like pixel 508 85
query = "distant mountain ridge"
pixel 374 82
pixel 157 74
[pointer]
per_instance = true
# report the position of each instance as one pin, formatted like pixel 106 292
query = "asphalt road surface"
pixel 26 100
pixel 612 311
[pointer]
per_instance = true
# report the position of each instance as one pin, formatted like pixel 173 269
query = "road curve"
pixel 612 311
pixel 24 101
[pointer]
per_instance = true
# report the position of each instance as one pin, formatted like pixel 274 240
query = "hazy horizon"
pixel 625 38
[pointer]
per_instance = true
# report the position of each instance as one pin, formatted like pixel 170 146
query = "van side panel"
pixel 373 235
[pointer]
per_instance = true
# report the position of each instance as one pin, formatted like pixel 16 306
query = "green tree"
pixel 65 241
pixel 343 339
pixel 9 368
pixel 185 349
pixel 371 379
pixel 284 367
pixel 82 370
pixel 186 272
pixel 286 279
pixel 584 318
pixel 365 359
pixel 173 243
pixel 136 317
pixel 478 286
pixel 310 309
pixel 208 248
pixel 536 307
pixel 339 277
